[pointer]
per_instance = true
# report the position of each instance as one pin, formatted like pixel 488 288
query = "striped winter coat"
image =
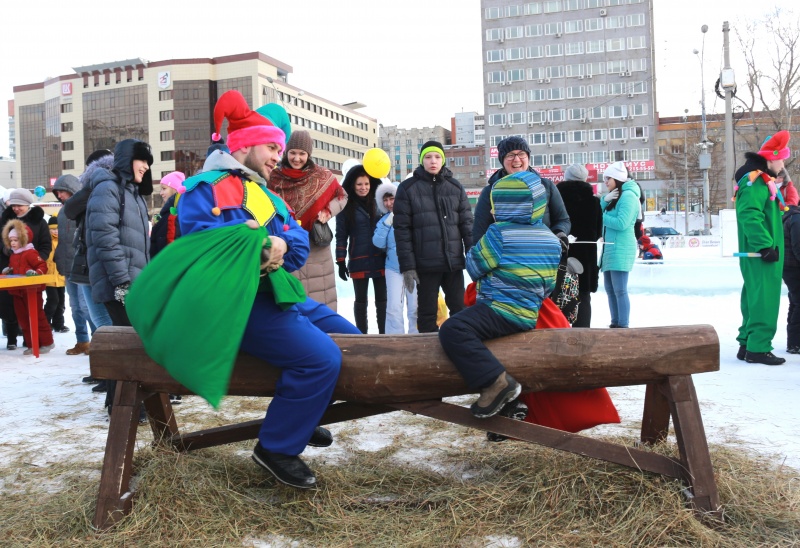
pixel 515 262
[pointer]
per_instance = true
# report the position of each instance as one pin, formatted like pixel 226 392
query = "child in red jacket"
pixel 25 260
pixel 649 250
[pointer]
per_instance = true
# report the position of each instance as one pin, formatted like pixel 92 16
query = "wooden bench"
pixel 386 373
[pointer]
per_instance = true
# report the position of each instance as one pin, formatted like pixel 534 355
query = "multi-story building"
pixel 468 129
pixel 12 133
pixel 169 104
pixel 403 146
pixel 575 78
pixel 8 168
pixel 468 165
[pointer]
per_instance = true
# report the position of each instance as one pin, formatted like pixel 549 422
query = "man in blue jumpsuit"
pixel 230 190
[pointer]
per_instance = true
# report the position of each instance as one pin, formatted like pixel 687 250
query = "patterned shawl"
pixel 307 191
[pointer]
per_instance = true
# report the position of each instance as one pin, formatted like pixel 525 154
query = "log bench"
pixel 386 373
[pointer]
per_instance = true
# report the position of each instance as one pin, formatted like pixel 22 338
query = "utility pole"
pixel 728 83
pixel 704 158
pixel 685 173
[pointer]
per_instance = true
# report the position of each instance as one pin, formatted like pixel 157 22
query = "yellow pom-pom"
pixel 216 211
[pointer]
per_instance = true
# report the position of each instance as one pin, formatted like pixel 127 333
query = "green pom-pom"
pixel 173 211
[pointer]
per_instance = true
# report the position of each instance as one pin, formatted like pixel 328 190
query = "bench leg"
pixel 655 419
pixel 693 446
pixel 161 418
pixel 114 498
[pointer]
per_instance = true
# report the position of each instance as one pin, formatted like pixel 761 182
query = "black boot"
pixel 767 358
pixel 360 314
pixel 380 308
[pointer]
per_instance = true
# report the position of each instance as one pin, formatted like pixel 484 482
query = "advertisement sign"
pixel 637 165
pixel 492 152
pixel 66 88
pixel 164 80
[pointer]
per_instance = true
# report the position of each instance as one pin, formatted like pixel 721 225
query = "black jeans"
pixel 9 317
pixel 791 277
pixel 54 306
pixel 452 283
pixel 462 336
pixel 584 318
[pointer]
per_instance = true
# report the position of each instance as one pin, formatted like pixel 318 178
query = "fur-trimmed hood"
pixel 105 162
pixel 384 189
pixel 24 233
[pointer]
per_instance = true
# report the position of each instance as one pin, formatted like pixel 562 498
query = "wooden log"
pixel 402 368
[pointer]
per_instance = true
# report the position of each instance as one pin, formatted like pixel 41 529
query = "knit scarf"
pixel 307 191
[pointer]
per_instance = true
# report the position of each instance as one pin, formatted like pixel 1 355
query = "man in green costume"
pixel 759 210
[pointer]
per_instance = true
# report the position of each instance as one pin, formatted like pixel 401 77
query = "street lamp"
pixel 704 158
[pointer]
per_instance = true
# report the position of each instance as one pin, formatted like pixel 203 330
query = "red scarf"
pixel 307 191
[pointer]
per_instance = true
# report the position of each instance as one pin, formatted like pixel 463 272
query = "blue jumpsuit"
pixel 294 340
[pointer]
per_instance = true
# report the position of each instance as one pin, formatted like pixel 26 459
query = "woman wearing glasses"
pixel 514 154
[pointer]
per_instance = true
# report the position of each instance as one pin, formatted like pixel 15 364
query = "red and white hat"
pixel 245 127
pixel 776 147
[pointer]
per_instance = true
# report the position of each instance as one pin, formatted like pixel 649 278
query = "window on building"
pixel 576 113
pixel 557 115
pixel 497 119
pixel 617 88
pixel 167 155
pixel 515 118
pixel 598 157
pixel 68 145
pixel 538 160
pixel 552 28
pixel 66 127
pixel 596 113
pixel 165 115
pixel 575 92
pixel 66 107
pixel 515 32
pixel 557 137
pixel 496 77
pixel 638 132
pixel 167 135
pixel 554 50
pixel 534 52
pixel 615 44
pixel 516 96
pixel 578 136
pixel 556 71
pixel 533 30
pixel 551 6
pixel 572 5
pixel 474 160
pixel 515 75
pixel 594 46
pixel 596 90
pixel 68 164
pixel 617 133
pixel 494 56
pixel 637 42
pixel 594 24
pixel 574 48
pixel 638 87
pixel 515 54
pixel 458 161
pixel 532 8
pixel 493 13
pixel 579 158
pixel 639 109
pixel 598 134
pixel 617 111
pixel 513 10
pixel 537 116
pixel 635 20
pixel 573 26
pixel 575 70
pixel 165 95
pixel 559 159
pixel 615 67
pixel 537 95
pixel 615 22
pixel 637 65
pixel 619 156
pixel 493 35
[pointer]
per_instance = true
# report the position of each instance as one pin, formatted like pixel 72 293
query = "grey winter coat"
pixel 66 227
pixel 432 222
pixel 119 248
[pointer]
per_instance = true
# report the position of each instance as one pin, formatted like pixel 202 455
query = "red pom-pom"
pixel 286 228
pixel 215 136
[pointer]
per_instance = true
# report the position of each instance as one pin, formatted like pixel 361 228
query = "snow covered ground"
pixel 47 415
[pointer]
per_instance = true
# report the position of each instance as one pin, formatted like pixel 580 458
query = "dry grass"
pixel 511 490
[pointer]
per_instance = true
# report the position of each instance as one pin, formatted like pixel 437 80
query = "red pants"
pixel 21 309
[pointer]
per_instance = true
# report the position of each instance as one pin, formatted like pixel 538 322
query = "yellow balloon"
pixel 377 163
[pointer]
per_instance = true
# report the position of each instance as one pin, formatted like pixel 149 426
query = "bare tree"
pixel 770 92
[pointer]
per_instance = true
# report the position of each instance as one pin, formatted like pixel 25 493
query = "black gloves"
pixel 343 273
pixel 770 255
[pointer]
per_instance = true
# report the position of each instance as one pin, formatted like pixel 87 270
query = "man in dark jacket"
pixel 514 154
pixel 433 230
pixel 63 189
pixel 20 206
pixel 586 220
pixel 118 229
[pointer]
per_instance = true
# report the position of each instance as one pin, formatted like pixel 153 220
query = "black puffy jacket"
pixel 432 222
pixel 586 219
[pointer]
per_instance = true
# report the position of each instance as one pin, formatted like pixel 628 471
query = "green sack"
pixel 191 304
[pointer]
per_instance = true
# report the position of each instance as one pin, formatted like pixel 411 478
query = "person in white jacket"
pixel 397 297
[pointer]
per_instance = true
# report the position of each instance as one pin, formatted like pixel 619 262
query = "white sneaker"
pixel 42 349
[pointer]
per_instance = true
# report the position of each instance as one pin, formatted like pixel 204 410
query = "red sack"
pixel 568 411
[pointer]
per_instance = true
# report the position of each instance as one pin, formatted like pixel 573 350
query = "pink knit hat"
pixel 776 147
pixel 175 180
pixel 245 127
